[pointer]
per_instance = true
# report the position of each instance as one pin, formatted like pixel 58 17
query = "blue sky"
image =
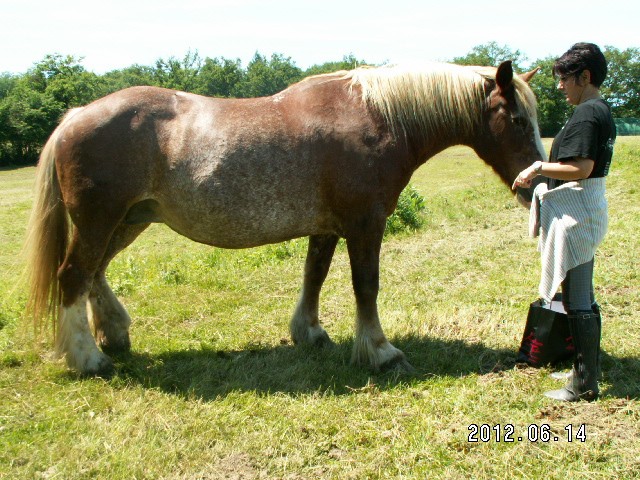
pixel 113 34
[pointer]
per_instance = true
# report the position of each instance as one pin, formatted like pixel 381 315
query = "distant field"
pixel 213 387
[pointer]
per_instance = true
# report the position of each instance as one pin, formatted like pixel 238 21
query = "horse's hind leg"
pixel 305 325
pixel 74 339
pixel 109 319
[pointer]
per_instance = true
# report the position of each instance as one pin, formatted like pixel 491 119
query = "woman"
pixel 569 211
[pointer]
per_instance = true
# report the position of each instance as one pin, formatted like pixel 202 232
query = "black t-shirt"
pixel 589 133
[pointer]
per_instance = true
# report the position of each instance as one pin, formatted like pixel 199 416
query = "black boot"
pixel 583 382
pixel 566 376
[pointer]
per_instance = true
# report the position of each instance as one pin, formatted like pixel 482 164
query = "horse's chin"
pixel 522 200
pixel 525 195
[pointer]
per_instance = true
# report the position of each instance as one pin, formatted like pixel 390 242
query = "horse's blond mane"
pixel 433 98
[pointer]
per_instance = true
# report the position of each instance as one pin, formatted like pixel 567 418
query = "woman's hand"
pixel 525 177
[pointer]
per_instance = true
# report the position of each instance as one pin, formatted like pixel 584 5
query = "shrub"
pixel 409 214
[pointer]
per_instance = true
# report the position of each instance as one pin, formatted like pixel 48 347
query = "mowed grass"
pixel 213 387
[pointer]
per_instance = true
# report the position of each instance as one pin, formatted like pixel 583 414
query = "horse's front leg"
pixel 305 325
pixel 371 347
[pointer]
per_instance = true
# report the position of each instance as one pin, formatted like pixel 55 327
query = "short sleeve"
pixel 580 141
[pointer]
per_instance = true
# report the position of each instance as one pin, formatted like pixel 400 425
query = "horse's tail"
pixel 47 237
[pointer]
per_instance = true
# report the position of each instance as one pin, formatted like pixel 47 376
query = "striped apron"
pixel 571 221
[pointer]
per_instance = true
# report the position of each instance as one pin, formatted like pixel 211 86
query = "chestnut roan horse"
pixel 325 158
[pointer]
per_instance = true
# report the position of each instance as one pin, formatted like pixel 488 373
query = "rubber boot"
pixel 566 376
pixel 583 382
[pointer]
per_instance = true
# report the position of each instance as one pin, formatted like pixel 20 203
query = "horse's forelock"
pixel 526 97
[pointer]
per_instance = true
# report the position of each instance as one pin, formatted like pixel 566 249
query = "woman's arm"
pixel 575 169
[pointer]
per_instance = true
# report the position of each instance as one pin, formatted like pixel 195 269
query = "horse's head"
pixel 509 140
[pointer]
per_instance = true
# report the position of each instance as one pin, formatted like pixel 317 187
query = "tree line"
pixel 31 104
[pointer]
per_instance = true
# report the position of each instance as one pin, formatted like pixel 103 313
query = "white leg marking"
pixel 75 341
pixel 375 353
pixel 305 327
pixel 109 320
pixel 371 348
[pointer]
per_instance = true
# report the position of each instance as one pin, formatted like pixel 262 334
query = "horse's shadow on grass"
pixel 207 374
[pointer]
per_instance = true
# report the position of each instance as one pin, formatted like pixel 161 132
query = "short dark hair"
pixel 581 57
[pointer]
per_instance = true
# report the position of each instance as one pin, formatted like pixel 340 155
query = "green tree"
pixel 178 74
pixel 65 79
pixel 35 102
pixel 7 82
pixel 135 75
pixel 76 90
pixel 621 88
pixel 491 55
pixel 6 134
pixel 553 110
pixel 220 77
pixel 27 117
pixel 52 67
pixel 348 62
pixel 266 77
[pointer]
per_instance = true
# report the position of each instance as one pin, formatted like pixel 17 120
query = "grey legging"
pixel 577 288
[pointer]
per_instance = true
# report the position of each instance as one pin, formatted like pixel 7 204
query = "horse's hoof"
pixel 323 341
pixel 399 365
pixel 114 348
pixel 106 372
pixel 379 357
pixel 314 336
pixel 105 369
pixel 99 366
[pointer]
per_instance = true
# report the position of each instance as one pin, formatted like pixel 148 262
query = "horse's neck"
pixel 438 144
pixel 440 138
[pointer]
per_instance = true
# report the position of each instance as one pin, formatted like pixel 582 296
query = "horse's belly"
pixel 233 221
pixel 226 232
pixel 243 192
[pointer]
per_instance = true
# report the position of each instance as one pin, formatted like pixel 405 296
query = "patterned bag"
pixel 546 339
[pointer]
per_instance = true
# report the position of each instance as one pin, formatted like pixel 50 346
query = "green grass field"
pixel 213 387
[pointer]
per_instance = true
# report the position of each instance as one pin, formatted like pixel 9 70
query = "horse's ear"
pixel 504 75
pixel 529 75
